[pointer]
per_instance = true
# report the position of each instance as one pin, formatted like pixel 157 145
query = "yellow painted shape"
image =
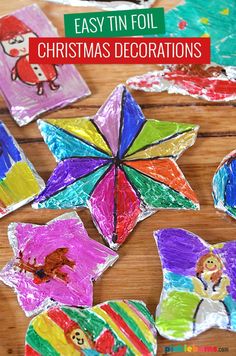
pixel 18 185
pixel 225 12
pixel 51 332
pixel 117 330
pixel 204 20
pixel 218 246
pixel 172 147
pixel 205 35
pixel 83 128
pixel 148 334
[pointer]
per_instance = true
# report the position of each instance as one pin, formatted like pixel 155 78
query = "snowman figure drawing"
pixel 14 38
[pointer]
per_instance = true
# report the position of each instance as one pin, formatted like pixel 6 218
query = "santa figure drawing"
pixel 14 38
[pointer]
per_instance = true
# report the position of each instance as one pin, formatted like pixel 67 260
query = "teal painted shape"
pixel 76 194
pixel 221 26
pixel 219 182
pixel 177 281
pixel 64 145
pixel 231 306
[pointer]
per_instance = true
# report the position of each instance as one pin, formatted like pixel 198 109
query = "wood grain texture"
pixel 137 274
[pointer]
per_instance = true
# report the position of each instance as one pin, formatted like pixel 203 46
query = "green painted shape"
pixel 231 211
pixel 131 323
pixel 76 194
pixel 39 344
pixel 143 309
pixel 176 314
pixel 157 195
pixel 154 131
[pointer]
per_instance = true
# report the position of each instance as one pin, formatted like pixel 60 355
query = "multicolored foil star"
pixel 54 263
pixel 118 164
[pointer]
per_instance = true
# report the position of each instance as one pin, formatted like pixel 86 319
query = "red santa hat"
pixel 11 26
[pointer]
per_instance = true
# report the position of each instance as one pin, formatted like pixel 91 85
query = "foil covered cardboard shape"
pixel 116 328
pixel 118 164
pixel 224 185
pixel 54 263
pixel 19 182
pixel 208 82
pixel 199 285
pixel 110 4
pixel 32 89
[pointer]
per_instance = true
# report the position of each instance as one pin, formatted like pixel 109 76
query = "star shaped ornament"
pixel 118 164
pixel 54 263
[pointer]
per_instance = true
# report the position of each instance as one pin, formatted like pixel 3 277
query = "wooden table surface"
pixel 137 274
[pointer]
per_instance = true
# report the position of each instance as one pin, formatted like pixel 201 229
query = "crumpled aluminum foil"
pixel 32 89
pixel 54 263
pixel 108 5
pixel 118 164
pixel 199 285
pixel 19 181
pixel 224 185
pixel 117 327
pixel 209 82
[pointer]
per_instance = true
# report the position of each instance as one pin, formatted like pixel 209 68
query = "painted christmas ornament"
pixel 199 288
pixel 224 185
pixel 212 83
pixel 108 4
pixel 19 182
pixel 118 164
pixel 206 19
pixel 31 89
pixel 54 263
pixel 116 328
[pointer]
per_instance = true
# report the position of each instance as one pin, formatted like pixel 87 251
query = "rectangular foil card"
pixel 19 182
pixel 109 4
pixel 31 89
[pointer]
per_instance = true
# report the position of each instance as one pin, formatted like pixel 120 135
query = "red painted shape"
pixel 30 352
pixel 127 205
pixel 105 343
pixel 182 25
pixel 61 319
pixel 126 330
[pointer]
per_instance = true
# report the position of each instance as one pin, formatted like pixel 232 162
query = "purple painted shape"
pixel 108 118
pixel 228 256
pixel 91 259
pixel 102 205
pixel 67 172
pixel 180 250
pixel 23 101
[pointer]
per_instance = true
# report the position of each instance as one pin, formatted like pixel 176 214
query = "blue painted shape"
pixel 64 145
pixel 133 120
pixel 230 189
pixel 231 306
pixel 9 153
pixel 220 180
pixel 178 281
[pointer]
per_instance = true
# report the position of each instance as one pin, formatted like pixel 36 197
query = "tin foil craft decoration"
pixel 224 185
pixel 209 82
pixel 19 182
pixel 199 287
pixel 31 89
pixel 118 164
pixel 214 19
pixel 116 328
pixel 109 4
pixel 54 263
